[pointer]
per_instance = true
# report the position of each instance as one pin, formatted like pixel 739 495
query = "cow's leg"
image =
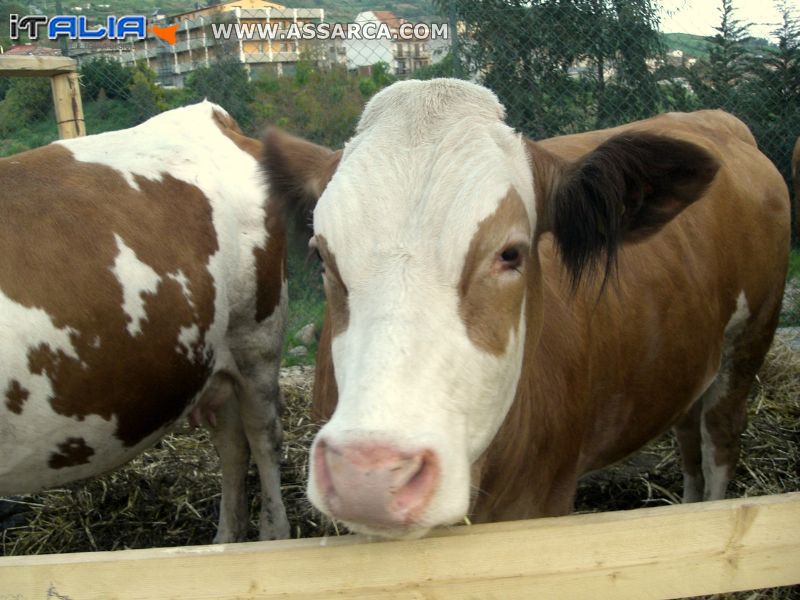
pixel 687 431
pixel 219 409
pixel 724 412
pixel 256 348
pixel 724 418
pixel 261 405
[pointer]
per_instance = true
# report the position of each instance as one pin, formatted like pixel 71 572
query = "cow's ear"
pixel 625 190
pixel 297 172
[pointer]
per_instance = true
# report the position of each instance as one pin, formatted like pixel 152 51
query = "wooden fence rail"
pixel 664 552
pixel 66 89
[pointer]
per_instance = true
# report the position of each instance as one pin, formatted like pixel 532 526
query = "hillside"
pixel 697 45
pixel 691 45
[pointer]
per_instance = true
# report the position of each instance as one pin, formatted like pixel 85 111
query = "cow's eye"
pixel 510 258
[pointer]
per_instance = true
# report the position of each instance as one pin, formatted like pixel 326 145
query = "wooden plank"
pixel 68 106
pixel 35 66
pixel 664 552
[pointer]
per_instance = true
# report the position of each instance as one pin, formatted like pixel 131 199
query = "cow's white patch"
pixel 136 279
pixel 29 438
pixel 23 329
pixel 187 337
pixel 716 476
pixel 180 278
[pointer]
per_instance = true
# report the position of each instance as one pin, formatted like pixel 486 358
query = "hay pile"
pixel 169 495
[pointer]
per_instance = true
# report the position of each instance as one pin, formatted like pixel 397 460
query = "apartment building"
pixel 403 56
pixel 196 46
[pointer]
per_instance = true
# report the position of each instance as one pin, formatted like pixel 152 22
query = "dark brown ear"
pixel 625 190
pixel 297 172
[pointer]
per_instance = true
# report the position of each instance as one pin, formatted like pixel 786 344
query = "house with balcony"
pixel 404 56
pixel 196 44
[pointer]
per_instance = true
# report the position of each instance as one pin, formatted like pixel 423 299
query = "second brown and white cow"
pixel 142 281
pixel 475 358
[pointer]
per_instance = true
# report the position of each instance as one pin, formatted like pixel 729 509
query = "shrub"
pixel 105 74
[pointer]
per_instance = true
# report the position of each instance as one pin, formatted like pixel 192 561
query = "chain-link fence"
pixel 559 66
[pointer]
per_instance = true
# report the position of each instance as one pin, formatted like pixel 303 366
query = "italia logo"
pixel 77 28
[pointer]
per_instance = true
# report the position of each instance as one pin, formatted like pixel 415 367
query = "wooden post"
pixel 64 83
pixel 68 106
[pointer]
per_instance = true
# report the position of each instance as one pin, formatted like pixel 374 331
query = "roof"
pixel 388 17
pixel 224 7
pixel 32 50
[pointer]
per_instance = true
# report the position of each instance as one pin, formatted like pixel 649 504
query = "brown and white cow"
pixel 142 280
pixel 479 358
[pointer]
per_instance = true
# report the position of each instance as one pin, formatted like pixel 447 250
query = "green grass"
pixel 30 136
pixel 108 115
pixel 790 315
pixel 794 265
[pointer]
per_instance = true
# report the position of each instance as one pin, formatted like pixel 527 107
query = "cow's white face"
pixel 425 231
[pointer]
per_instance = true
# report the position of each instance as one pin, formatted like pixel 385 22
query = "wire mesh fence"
pixel 559 66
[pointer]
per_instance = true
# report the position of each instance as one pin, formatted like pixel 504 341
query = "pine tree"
pixel 779 74
pixel 715 81
pixel 561 66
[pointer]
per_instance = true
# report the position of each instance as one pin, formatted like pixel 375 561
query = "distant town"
pixel 254 32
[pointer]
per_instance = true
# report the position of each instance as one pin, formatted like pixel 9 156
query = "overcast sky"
pixel 701 16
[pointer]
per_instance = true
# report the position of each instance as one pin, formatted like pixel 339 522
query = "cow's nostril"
pixel 418 488
pixel 375 483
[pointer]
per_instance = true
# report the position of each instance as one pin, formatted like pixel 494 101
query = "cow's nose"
pixel 374 484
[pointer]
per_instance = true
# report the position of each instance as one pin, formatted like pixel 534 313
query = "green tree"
pixel 769 98
pixel 226 83
pixel 778 74
pixel 28 99
pixel 322 105
pixel 9 7
pixel 561 65
pixel 379 78
pixel 620 38
pixel 716 80
pixel 146 98
pixel 443 68
pixel 107 75
pixel 522 51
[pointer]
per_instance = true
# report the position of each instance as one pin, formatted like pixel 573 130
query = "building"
pixel 402 56
pixel 29 50
pixel 197 46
